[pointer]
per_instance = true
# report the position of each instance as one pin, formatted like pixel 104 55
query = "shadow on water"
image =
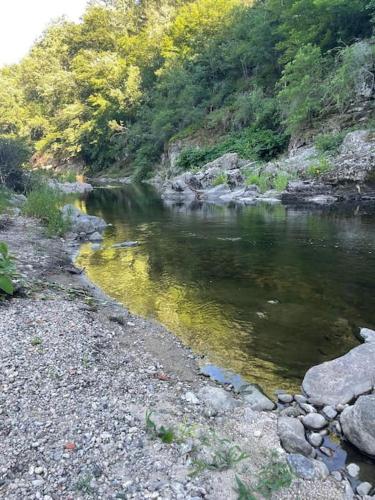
pixel 266 291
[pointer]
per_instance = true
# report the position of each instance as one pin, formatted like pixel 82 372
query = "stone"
pixel 358 424
pixel 307 468
pixel 95 237
pixel 291 411
pixel 329 412
pixel 300 399
pixel 126 244
pixel 314 421
pixel 337 475
pixel 307 408
pixel 364 489
pixel 71 187
pixel 343 379
pixel 353 470
pixel 367 335
pixel 315 439
pixel 285 398
pixel 190 397
pixel 217 399
pixel 292 436
pixel 254 397
pixel 81 223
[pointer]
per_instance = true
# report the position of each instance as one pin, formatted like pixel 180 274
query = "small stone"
pixel 285 398
pixel 38 482
pixel 38 470
pixel 353 470
pixel 307 408
pixel 364 489
pixel 190 397
pixel 314 421
pixel 326 451
pixel 70 446
pixel 329 412
pixel 337 475
pixel 340 407
pixel 300 399
pixel 315 439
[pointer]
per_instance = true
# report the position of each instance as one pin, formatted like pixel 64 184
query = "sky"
pixel 22 21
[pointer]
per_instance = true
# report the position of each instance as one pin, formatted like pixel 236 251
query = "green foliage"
pixel 257 178
pixel 219 179
pixel 329 143
pixel 166 434
pixel 14 153
pixel 35 341
pixel 271 478
pixel 7 271
pixel 114 89
pixel 274 476
pixel 321 166
pixel 4 199
pixel 44 203
pixel 280 181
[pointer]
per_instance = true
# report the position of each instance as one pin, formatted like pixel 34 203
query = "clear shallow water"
pixel 265 291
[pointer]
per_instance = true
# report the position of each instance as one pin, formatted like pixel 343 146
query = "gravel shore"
pixel 78 376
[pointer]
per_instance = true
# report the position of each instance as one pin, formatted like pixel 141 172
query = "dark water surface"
pixel 266 291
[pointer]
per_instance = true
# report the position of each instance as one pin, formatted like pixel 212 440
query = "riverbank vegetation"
pixel 235 75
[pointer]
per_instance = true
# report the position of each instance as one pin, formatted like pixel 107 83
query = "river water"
pixel 266 291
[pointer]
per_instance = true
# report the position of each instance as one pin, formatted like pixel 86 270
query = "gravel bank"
pixel 78 375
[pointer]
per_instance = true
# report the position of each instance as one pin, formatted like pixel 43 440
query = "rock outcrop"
pixel 71 187
pixel 82 225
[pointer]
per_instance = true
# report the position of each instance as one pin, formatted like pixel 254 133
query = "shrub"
pixel 44 202
pixel 7 271
pixel 220 179
pixel 281 180
pixel 14 152
pixel 329 143
pixel 322 166
pixel 4 199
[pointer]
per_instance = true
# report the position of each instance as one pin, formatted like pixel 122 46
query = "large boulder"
pixel 358 424
pixel 343 379
pixel 292 436
pixel 71 187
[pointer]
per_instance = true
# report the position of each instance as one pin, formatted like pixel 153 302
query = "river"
pixel 266 291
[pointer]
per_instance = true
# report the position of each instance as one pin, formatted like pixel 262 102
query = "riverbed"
pixel 266 291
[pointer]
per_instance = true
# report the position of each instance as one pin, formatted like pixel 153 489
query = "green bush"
pixel 280 181
pixel 4 199
pixel 7 271
pixel 329 143
pixel 322 166
pixel 220 179
pixel 44 202
pixel 14 153
pixel 262 180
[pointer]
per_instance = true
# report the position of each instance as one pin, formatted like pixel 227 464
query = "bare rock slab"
pixel 292 436
pixel 307 468
pixel 358 424
pixel 343 379
pixel 217 399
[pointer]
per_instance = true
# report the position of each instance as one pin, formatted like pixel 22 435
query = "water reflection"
pixel 265 291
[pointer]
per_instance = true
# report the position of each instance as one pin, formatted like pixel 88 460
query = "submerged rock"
pixel 307 468
pixel 358 424
pixel 343 379
pixel 292 436
pixel 126 244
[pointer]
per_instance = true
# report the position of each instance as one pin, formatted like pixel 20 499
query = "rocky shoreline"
pixel 88 387
pixel 309 178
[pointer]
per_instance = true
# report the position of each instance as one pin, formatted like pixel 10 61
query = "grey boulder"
pixel 307 468
pixel 81 223
pixel 254 397
pixel 217 399
pixel 343 379
pixel 367 335
pixel 292 436
pixel 358 424
pixel 314 421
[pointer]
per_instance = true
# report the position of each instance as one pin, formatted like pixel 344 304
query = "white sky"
pixel 22 21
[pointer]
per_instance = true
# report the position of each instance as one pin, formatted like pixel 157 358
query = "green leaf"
pixel 6 285
pixel 3 249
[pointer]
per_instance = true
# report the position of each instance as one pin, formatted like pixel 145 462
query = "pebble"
pixel 307 408
pixel 315 439
pixel 300 399
pixel 329 412
pixel 314 421
pixel 353 470
pixel 364 488
pixel 285 398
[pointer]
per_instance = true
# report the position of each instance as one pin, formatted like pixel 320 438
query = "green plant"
pixel 243 490
pixel 84 485
pixel 4 199
pixel 166 434
pixel 329 143
pixel 322 166
pixel 274 476
pixel 262 180
pixel 7 270
pixel 280 181
pixel 36 341
pixel 224 456
pixel 219 179
pixel 68 176
pixel 44 203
